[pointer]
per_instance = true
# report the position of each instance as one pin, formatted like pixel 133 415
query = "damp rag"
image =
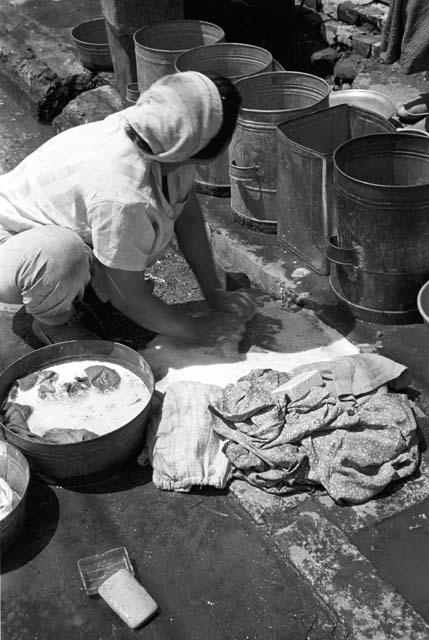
pixel 182 445
pixel 177 116
pixel 352 446
pixel 406 35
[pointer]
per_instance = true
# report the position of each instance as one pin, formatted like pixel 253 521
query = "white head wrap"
pixel 177 116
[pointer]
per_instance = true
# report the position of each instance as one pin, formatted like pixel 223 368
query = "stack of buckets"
pixel 340 187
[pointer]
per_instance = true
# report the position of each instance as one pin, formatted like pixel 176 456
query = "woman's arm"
pixel 131 294
pixel 194 244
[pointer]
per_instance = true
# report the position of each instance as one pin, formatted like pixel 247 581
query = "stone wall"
pixel 353 25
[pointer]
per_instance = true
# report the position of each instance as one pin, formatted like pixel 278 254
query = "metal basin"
pixel 365 99
pixel 81 462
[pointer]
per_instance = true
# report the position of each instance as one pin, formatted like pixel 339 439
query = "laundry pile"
pixel 338 425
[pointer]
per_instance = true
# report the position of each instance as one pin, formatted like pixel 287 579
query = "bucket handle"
pixel 277 66
pixel 339 255
pixel 243 174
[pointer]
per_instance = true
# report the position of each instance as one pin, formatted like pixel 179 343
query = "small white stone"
pixel 300 272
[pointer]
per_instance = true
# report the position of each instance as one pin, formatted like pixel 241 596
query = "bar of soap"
pixel 298 386
pixel 127 598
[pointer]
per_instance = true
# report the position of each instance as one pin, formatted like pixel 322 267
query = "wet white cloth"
pixel 182 445
pixel 177 116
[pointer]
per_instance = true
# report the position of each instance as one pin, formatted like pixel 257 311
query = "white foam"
pixel 92 409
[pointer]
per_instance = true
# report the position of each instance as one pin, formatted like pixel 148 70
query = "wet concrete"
pixel 397 547
pixel 212 573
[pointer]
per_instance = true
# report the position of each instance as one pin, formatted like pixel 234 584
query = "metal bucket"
pixel 15 470
pixel 158 45
pixel 306 147
pixel 380 255
pixel 267 100
pixel 131 93
pixel 234 61
pixel 90 39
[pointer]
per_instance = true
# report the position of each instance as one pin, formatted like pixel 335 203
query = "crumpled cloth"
pixel 406 35
pixel 183 447
pixel 352 449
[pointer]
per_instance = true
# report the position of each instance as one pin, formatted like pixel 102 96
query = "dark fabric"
pixel 66 436
pixel 79 384
pixel 15 416
pixel 406 35
pixel 103 377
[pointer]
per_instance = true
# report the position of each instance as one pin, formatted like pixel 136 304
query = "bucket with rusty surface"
pixel 158 45
pixel 306 147
pixel 267 100
pixel 380 254
pixel 91 460
pixel 233 61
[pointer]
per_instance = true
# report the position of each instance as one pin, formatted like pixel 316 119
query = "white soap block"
pixel 127 598
pixel 298 386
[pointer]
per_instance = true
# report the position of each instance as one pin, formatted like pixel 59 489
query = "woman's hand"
pixel 239 303
pixel 220 329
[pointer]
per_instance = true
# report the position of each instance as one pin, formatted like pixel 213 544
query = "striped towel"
pixel 406 35
pixel 182 445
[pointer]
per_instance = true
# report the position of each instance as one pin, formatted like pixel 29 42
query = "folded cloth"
pixel 353 449
pixel 406 35
pixel 182 445
pixel 360 373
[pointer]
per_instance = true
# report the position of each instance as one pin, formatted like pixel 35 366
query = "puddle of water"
pixel 398 549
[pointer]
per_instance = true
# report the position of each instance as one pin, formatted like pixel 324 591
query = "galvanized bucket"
pixel 158 45
pixel 380 255
pixel 15 470
pixel 306 147
pixel 131 93
pixel 267 100
pixel 234 61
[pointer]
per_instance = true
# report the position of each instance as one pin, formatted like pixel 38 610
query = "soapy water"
pixel 98 411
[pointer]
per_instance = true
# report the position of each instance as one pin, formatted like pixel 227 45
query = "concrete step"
pixel 40 66
pixel 347 582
